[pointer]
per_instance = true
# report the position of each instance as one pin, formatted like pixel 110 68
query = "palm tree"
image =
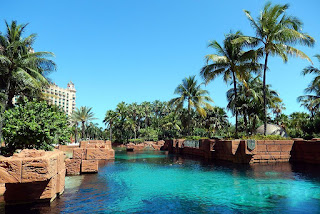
pixel 311 101
pixel 313 70
pixel 109 119
pixel 190 91
pixel 146 106
pixel 276 32
pixel 231 62
pixel 74 122
pixel 20 66
pixel 216 119
pixel 250 100
pixel 83 115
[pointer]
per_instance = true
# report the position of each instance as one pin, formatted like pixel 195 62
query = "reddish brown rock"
pixel 30 153
pixel 24 192
pixel 10 170
pixel 2 189
pixel 61 162
pixel 61 181
pixel 79 153
pixel 40 168
pixel 50 191
pixel 83 144
pixel 73 166
pixel 33 176
pixel 97 154
pixel 89 166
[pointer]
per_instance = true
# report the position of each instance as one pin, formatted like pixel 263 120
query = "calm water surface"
pixel 155 182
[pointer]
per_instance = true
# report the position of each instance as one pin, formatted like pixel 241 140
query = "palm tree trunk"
pixel 3 107
pixel 189 117
pixel 236 98
pixel 245 122
pixel 10 98
pixel 264 95
pixel 110 132
pixel 75 133
pixel 82 130
pixel 253 125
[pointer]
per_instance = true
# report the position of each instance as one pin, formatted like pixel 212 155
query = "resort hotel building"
pixel 62 97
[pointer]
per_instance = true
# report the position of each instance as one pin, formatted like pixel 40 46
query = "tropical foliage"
pixel 131 122
pixel 276 32
pixel 232 62
pixel 34 125
pixel 195 97
pixel 22 70
pixel 83 115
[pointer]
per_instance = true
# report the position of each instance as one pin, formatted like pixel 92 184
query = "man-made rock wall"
pixel 306 151
pixel 147 145
pixel 237 151
pixel 86 157
pixel 33 175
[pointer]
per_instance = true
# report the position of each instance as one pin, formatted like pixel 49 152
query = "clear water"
pixel 155 182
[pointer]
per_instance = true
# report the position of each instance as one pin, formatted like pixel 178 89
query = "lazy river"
pixel 155 182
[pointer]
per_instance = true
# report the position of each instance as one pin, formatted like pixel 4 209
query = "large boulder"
pixel 32 175
pixel 272 129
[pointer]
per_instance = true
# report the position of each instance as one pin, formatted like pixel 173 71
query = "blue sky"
pixel 134 51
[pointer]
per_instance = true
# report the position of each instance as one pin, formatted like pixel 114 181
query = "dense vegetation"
pixel 160 120
pixel 34 125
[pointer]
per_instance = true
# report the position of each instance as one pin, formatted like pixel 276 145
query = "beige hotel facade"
pixel 65 98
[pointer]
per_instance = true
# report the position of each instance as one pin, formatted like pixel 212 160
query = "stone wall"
pixel 236 150
pixel 86 158
pixel 306 151
pixel 147 145
pixel 33 175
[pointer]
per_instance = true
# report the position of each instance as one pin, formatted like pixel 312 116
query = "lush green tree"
pixel 250 101
pixel 22 70
pixel 73 120
pixel 231 61
pixel 148 134
pixel 35 125
pixel 276 32
pixel 311 101
pixel 190 91
pixel 215 120
pixel 93 131
pixel 83 115
pixel 109 120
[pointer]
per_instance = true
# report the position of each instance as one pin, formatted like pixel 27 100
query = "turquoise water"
pixel 155 182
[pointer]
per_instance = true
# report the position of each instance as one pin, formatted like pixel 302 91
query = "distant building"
pixel 63 97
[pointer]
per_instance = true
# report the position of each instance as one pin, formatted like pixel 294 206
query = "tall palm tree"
pixel 20 66
pixel 250 100
pixel 190 91
pixel 109 119
pixel 83 115
pixel 146 106
pixel 275 33
pixel 216 119
pixel 73 120
pixel 311 101
pixel 231 62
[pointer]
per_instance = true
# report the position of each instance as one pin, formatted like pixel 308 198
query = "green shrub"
pixel 148 134
pixel 194 138
pixel 136 141
pixel 34 125
pixel 261 137
pixel 200 132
